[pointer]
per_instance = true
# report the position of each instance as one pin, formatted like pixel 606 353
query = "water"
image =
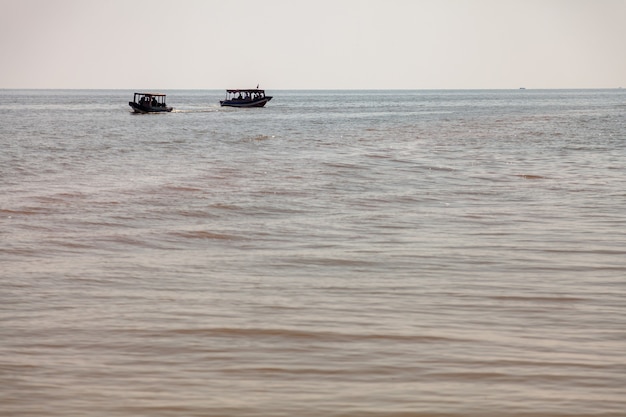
pixel 336 253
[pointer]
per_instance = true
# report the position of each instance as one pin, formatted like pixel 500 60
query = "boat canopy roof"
pixel 151 94
pixel 246 90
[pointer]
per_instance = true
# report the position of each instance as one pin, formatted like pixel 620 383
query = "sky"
pixel 312 44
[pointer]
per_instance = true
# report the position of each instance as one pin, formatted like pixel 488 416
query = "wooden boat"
pixel 245 98
pixel 149 103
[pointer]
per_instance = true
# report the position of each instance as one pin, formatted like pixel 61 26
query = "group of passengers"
pixel 249 97
pixel 145 101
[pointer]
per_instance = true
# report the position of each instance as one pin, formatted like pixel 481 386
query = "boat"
pixel 149 103
pixel 245 98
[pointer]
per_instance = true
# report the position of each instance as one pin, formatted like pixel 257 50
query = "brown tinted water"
pixel 363 253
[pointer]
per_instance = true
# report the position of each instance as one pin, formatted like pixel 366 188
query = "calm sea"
pixel 336 253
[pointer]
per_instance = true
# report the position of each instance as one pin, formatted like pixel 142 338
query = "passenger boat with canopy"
pixel 149 103
pixel 245 98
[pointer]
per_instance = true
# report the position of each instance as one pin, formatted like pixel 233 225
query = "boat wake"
pixel 205 110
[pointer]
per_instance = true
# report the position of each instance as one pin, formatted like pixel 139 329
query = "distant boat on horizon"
pixel 149 103
pixel 253 97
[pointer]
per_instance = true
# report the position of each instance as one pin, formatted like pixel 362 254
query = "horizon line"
pixel 316 89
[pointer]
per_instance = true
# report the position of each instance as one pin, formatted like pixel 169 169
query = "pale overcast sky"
pixel 312 44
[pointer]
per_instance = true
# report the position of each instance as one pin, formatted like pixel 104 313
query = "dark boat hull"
pixel 245 103
pixel 137 108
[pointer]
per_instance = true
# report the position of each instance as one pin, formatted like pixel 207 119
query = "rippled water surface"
pixel 336 253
